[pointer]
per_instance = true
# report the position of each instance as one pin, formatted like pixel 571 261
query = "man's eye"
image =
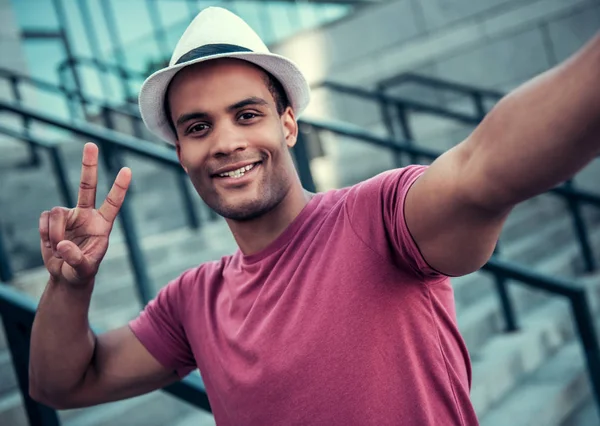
pixel 248 116
pixel 200 127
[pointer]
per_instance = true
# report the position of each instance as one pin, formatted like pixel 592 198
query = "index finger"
pixel 89 177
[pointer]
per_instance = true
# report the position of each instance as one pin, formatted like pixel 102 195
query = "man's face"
pixel 231 140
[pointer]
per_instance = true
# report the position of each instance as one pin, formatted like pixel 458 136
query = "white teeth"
pixel 237 173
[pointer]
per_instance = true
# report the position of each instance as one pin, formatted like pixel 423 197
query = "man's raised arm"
pixel 535 138
pixel 69 366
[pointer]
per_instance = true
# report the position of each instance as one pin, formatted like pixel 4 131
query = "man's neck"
pixel 255 235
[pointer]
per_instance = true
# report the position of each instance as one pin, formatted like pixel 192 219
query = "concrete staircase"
pixel 531 377
pixel 533 374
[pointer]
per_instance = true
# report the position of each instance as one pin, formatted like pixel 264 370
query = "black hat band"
pixel 210 50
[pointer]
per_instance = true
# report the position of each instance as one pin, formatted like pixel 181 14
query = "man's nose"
pixel 229 140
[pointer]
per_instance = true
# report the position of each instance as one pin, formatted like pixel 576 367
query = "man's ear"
pixel 178 150
pixel 290 127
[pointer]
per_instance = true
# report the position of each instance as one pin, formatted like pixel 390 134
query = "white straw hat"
pixel 217 33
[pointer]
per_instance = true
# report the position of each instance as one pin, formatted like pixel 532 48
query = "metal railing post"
pixel 188 203
pixel 480 109
pixel 386 117
pixel 17 336
pixel 6 274
pixel 71 106
pixel 134 251
pixel 136 126
pixel 115 164
pixel 584 320
pixel 581 231
pixel 303 162
pixel 407 134
pixel 61 173
pixel 510 319
pixel 34 155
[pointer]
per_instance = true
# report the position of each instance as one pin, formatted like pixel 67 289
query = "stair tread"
pixel 546 395
pixel 200 418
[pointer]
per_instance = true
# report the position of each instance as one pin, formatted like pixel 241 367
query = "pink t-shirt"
pixel 340 321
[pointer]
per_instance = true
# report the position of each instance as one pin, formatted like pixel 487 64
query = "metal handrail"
pixel 167 156
pixel 112 142
pixel 429 154
pixel 386 99
pixel 17 312
pixel 438 83
pixel 106 111
pixel 100 65
pixel 403 106
pixel 129 143
pixel 125 109
pixel 580 309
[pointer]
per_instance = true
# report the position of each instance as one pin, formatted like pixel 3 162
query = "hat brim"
pixel 152 92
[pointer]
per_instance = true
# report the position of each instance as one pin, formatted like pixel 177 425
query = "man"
pixel 337 308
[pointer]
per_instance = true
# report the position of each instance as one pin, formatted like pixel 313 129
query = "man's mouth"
pixel 237 173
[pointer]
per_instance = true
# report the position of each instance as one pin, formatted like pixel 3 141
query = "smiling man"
pixel 234 128
pixel 337 308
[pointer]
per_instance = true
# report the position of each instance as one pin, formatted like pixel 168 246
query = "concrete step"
pixel 3 344
pixel 170 253
pixel 14 153
pixel 499 366
pixel 156 203
pixel 167 256
pixel 480 315
pixel 535 245
pixel 8 380
pixel 508 359
pixel 548 395
pixel 154 409
pixel 530 216
pixel 201 418
pixel 586 414
pixel 562 260
pixel 12 410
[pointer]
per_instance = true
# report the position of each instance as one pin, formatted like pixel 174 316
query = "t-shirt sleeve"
pixel 160 329
pixel 376 212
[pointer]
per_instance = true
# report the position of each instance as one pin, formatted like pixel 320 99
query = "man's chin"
pixel 242 210
pixel 242 215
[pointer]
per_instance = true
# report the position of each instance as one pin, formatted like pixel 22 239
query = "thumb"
pixel 74 257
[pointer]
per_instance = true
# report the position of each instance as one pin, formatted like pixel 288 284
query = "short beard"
pixel 254 209
pixel 247 213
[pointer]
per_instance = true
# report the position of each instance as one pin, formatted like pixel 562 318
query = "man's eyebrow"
pixel 247 102
pixel 190 116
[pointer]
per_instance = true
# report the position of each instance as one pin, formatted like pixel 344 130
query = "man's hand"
pixel 74 241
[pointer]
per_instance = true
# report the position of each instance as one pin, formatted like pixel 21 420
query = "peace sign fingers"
pixel 89 177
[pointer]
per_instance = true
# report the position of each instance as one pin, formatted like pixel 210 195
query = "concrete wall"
pixel 11 57
pixel 493 40
pixel 495 44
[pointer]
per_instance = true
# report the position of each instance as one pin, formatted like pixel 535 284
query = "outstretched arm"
pixel 535 138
